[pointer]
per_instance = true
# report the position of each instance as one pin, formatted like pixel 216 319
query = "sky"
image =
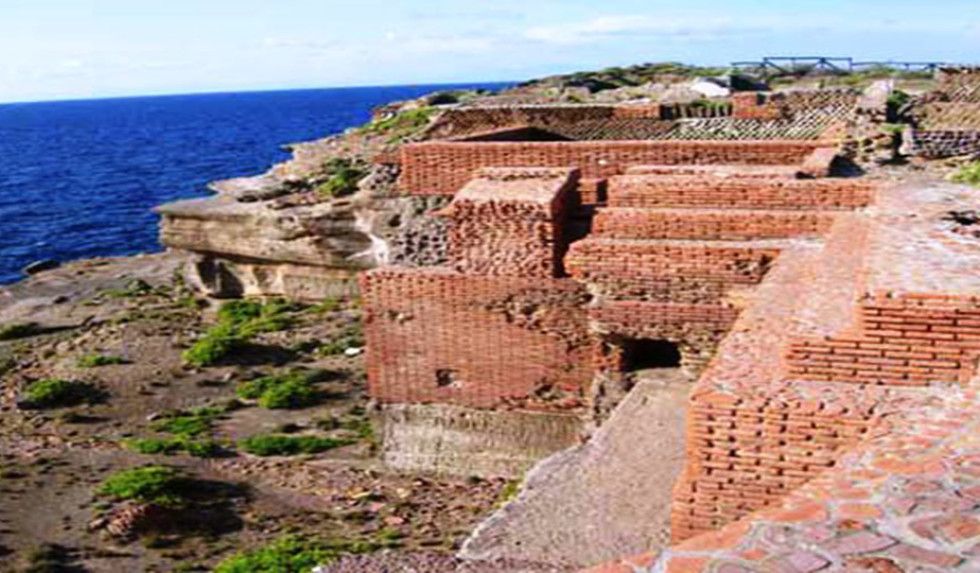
pixel 72 49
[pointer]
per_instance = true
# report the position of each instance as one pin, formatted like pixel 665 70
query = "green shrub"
pixel 276 445
pixel 968 175
pixel 54 393
pixel 159 485
pixel 282 391
pixel 215 345
pixel 238 323
pixel 402 126
pixel 342 177
pixel 97 360
pixel 17 331
pixel 286 555
pixel 192 423
pixel 176 445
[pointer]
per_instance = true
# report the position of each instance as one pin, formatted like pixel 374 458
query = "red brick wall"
pixel 906 341
pixel 626 223
pixel 510 222
pixel 743 455
pixel 442 168
pixel 434 336
pixel 757 105
pixel 666 271
pixel 734 193
pixel 695 328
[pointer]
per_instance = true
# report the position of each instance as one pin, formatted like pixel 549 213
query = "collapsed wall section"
pixel 437 336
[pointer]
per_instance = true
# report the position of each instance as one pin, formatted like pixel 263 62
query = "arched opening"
pixel 645 354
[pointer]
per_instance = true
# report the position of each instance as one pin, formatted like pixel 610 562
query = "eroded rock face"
pixel 268 236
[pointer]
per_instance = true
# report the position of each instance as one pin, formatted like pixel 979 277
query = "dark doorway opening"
pixel 643 354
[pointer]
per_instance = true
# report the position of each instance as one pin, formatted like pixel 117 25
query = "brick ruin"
pixel 742 261
pixel 946 122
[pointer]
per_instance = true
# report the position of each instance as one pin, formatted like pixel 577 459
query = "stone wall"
pixel 442 168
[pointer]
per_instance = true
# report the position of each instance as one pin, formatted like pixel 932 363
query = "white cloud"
pixel 611 27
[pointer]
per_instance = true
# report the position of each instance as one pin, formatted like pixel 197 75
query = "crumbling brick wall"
pixel 718 224
pixel 937 144
pixel 436 336
pixel 739 193
pixel 665 271
pixel 442 168
pixel 959 84
pixel 695 328
pixel 510 222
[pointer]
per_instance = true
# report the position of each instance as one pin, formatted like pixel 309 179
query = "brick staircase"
pixel 679 245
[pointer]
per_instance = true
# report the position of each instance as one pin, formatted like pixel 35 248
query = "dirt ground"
pixel 53 460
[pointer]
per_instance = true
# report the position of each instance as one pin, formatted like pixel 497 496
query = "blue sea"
pixel 78 178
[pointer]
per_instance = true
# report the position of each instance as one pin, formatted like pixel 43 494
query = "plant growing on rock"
pixel 403 125
pixel 283 391
pixel 157 485
pixel 238 323
pixel 53 393
pixel 265 445
pixel 342 176
pixel 98 360
pixel 967 175
pixel 292 554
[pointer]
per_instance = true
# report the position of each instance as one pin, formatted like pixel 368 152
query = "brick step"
pixel 735 171
pixel 669 270
pixel 712 224
pixel 654 191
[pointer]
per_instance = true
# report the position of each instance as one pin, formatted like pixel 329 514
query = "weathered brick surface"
pixel 668 271
pixel 436 336
pixel 442 168
pixel 697 329
pixel 737 193
pixel 509 222
pixel 621 223
pixel 900 341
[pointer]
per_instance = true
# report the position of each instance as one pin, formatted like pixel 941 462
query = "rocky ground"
pixel 137 316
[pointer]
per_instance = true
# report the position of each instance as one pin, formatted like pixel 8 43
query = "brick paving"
pixel 856 475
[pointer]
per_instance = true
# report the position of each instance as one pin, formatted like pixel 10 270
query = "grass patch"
pixel 293 554
pixel 342 176
pixel 967 175
pixel 283 391
pixel 265 445
pixel 174 445
pixel 158 485
pixel 18 331
pixel 54 393
pixel 403 125
pixel 238 323
pixel 191 423
pixel 97 360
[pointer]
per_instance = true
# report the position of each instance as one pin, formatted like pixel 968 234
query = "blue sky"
pixel 55 49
